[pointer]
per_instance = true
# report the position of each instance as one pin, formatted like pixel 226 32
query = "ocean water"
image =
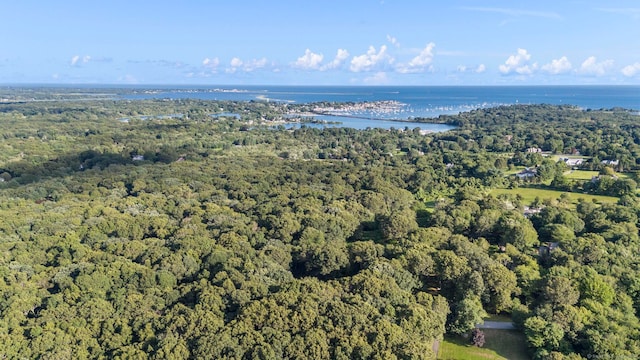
pixel 416 101
pixel 409 102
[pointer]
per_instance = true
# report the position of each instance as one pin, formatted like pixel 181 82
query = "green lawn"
pixel 580 174
pixel 566 156
pixel 499 345
pixel 587 175
pixel 499 317
pixel 529 194
pixel 514 171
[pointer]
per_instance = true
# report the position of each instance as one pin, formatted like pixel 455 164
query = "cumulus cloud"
pixel 371 60
pixel 466 69
pixel 255 64
pixel 340 58
pixel 235 64
pixel 591 66
pixel 518 64
pixel 393 41
pixel 419 63
pixel 211 64
pixel 631 70
pixel 309 61
pixel 558 66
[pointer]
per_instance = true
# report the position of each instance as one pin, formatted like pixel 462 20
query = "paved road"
pixel 500 325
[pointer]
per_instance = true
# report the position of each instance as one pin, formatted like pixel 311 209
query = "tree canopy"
pixel 151 229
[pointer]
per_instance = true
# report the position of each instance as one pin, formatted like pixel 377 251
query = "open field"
pixel 499 317
pixel 557 157
pixel 529 194
pixel 499 345
pixel 580 174
pixel 587 175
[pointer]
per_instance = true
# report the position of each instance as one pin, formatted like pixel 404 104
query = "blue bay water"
pixel 416 101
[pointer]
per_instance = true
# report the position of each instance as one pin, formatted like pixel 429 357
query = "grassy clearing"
pixel 515 170
pixel 587 175
pixel 499 317
pixel 566 156
pixel 529 195
pixel 499 345
pixel 580 174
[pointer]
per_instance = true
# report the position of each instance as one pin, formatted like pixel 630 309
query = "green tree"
pixel 398 224
pixel 466 315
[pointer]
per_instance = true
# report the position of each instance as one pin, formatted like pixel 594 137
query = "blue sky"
pixel 329 42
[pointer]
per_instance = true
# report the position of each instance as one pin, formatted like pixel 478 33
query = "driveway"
pixel 499 325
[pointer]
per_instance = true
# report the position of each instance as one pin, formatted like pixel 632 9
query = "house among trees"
pixel 547 248
pixel 534 150
pixel 610 162
pixel 137 158
pixel 527 173
pixel 529 211
pixel 572 162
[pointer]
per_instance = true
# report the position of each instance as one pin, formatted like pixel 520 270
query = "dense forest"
pixel 155 229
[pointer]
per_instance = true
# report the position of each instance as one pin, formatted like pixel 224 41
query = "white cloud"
pixel 255 64
pixel 478 69
pixel 379 78
pixel 393 41
pixel 211 63
pixel 558 66
pixel 309 61
pixel 419 63
pixel 631 70
pixel 210 67
pixel 341 56
pixel 518 64
pixel 425 58
pixel 235 63
pixel 77 59
pixel 371 60
pixel 591 66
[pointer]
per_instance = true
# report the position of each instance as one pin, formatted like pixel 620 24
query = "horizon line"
pixel 113 85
